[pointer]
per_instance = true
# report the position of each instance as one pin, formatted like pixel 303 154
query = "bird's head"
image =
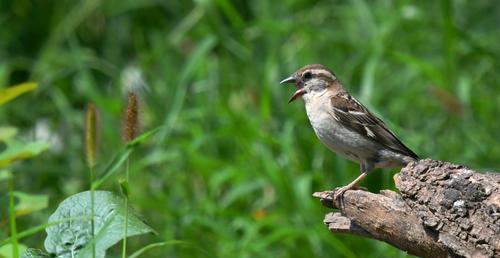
pixel 310 79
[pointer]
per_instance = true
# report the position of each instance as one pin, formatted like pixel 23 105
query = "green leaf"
pixel 74 236
pixel 12 92
pixel 29 203
pixel 6 250
pixel 17 150
pixel 35 253
pixel 7 132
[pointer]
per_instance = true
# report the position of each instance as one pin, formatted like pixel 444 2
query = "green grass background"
pixel 233 170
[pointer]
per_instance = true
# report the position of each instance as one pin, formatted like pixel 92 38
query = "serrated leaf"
pixel 17 150
pixel 12 92
pixel 7 132
pixel 29 203
pixel 6 250
pixel 35 253
pixel 72 238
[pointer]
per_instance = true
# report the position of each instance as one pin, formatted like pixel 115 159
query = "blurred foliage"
pixel 12 92
pixel 232 170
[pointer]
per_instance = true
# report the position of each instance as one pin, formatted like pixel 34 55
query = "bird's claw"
pixel 339 192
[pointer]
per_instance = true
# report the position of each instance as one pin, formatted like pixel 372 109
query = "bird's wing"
pixel 352 114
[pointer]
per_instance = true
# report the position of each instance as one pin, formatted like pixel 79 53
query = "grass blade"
pixel 122 156
pixel 146 248
pixel 12 92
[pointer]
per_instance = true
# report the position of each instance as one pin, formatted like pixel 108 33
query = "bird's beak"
pixel 297 93
pixel 290 79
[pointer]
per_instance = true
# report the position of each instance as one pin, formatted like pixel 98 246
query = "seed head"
pixel 91 133
pixel 131 118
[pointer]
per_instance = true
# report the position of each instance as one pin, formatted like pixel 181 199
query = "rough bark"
pixel 442 210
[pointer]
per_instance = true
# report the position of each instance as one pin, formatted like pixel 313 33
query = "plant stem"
pixel 36 229
pixel 92 210
pixel 12 219
pixel 125 229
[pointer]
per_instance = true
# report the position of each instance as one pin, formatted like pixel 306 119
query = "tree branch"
pixel 443 210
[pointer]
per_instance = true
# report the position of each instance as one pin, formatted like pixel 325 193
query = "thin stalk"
pixel 34 230
pixel 92 210
pixel 12 219
pixel 125 229
pixel 91 142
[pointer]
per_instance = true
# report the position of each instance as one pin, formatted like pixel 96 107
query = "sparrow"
pixel 344 125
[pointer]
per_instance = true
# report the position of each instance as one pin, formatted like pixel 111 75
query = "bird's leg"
pixel 365 169
pixel 341 190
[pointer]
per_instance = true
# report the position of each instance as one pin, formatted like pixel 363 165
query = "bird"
pixel 345 125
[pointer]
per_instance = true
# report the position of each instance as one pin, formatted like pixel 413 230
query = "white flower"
pixel 132 80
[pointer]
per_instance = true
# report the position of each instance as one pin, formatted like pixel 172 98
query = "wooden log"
pixel 443 210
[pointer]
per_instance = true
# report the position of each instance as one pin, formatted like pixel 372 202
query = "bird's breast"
pixel 334 135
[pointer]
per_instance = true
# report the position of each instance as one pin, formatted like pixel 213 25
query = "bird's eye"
pixel 307 76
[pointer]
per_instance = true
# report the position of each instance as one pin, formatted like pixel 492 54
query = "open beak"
pixel 297 93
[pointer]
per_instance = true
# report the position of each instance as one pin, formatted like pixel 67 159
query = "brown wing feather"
pixel 349 112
